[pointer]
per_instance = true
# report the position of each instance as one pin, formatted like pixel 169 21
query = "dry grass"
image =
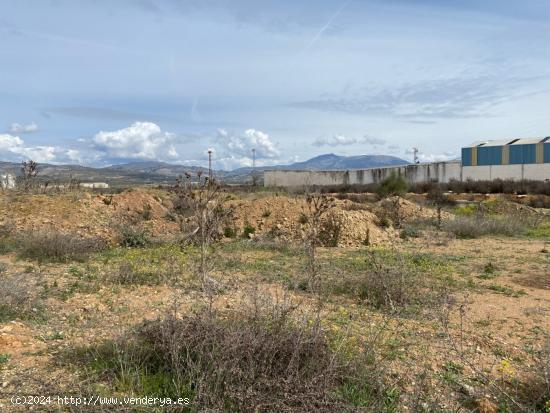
pixel 262 357
pixel 50 245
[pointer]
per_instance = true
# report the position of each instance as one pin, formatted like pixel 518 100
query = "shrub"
pixel 229 232
pixel 477 225
pixel 259 359
pixel 147 212
pixel 410 232
pixel 247 230
pixel 56 246
pixel 134 237
pixel 19 299
pixel 392 281
pixel 392 185
pixel 329 233
pixel 303 218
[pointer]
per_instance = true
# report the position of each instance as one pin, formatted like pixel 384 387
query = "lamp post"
pixel 253 166
pixel 210 164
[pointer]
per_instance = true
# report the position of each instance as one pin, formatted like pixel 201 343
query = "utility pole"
pixel 253 166
pixel 210 165
pixel 415 155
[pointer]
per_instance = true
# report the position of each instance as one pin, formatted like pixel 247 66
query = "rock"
pixel 467 390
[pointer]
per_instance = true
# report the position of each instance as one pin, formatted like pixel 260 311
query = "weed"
pixel 4 358
pixel 50 245
pixel 19 300
pixel 410 232
pixel 134 237
pixel 488 271
pixel 477 225
pixel 248 230
pixel 160 265
pixel 147 212
pixel 510 292
pixel 229 232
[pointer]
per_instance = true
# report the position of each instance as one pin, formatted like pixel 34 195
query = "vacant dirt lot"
pixel 442 319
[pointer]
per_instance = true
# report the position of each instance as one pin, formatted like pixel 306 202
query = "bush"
pixel 50 245
pixel 410 232
pixel 392 185
pixel 474 225
pixel 147 212
pixel 134 237
pixel 258 359
pixel 19 299
pixel 229 232
pixel 247 230
pixel 393 281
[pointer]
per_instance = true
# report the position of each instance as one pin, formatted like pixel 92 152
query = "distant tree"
pixel 29 171
pixel 392 185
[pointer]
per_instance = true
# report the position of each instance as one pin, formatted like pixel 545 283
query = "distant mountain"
pixel 153 172
pixel 332 161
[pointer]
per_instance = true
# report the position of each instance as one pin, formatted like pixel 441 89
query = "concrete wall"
pixel 427 172
pixel 7 181
pixel 95 185
pixel 534 171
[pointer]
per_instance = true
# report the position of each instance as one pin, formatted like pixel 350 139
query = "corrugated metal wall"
pixel 506 155
pixel 489 155
pixel 523 154
pixel 467 156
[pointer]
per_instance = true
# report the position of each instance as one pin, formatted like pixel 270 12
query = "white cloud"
pixel 432 157
pixel 342 140
pixel 19 128
pixel 141 140
pixel 13 148
pixel 240 146
pixel 8 141
pixel 334 140
pixel 393 148
pixel 370 140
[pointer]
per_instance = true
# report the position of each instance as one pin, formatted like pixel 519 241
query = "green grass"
pixel 151 265
pixel 510 292
pixel 4 358
pixel 542 231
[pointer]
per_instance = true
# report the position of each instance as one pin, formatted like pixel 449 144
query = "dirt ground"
pixel 501 311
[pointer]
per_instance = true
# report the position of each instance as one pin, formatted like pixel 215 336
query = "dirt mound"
pixel 86 214
pixel 397 208
pixel 284 217
pixel 499 205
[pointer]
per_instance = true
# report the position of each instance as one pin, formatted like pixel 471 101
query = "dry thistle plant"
pixel 317 206
pixel 29 171
pixel 202 204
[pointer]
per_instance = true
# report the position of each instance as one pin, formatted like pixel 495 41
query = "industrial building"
pixel 515 159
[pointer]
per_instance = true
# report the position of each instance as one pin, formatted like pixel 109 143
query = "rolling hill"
pixel 153 172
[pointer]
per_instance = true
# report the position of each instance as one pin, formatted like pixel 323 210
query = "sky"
pixel 101 82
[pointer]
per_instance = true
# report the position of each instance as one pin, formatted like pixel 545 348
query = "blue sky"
pixel 99 82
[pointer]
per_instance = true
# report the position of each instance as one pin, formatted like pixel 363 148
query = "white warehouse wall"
pixel 429 172
pixel 436 172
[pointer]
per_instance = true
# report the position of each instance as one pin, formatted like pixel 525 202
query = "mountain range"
pixel 153 172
